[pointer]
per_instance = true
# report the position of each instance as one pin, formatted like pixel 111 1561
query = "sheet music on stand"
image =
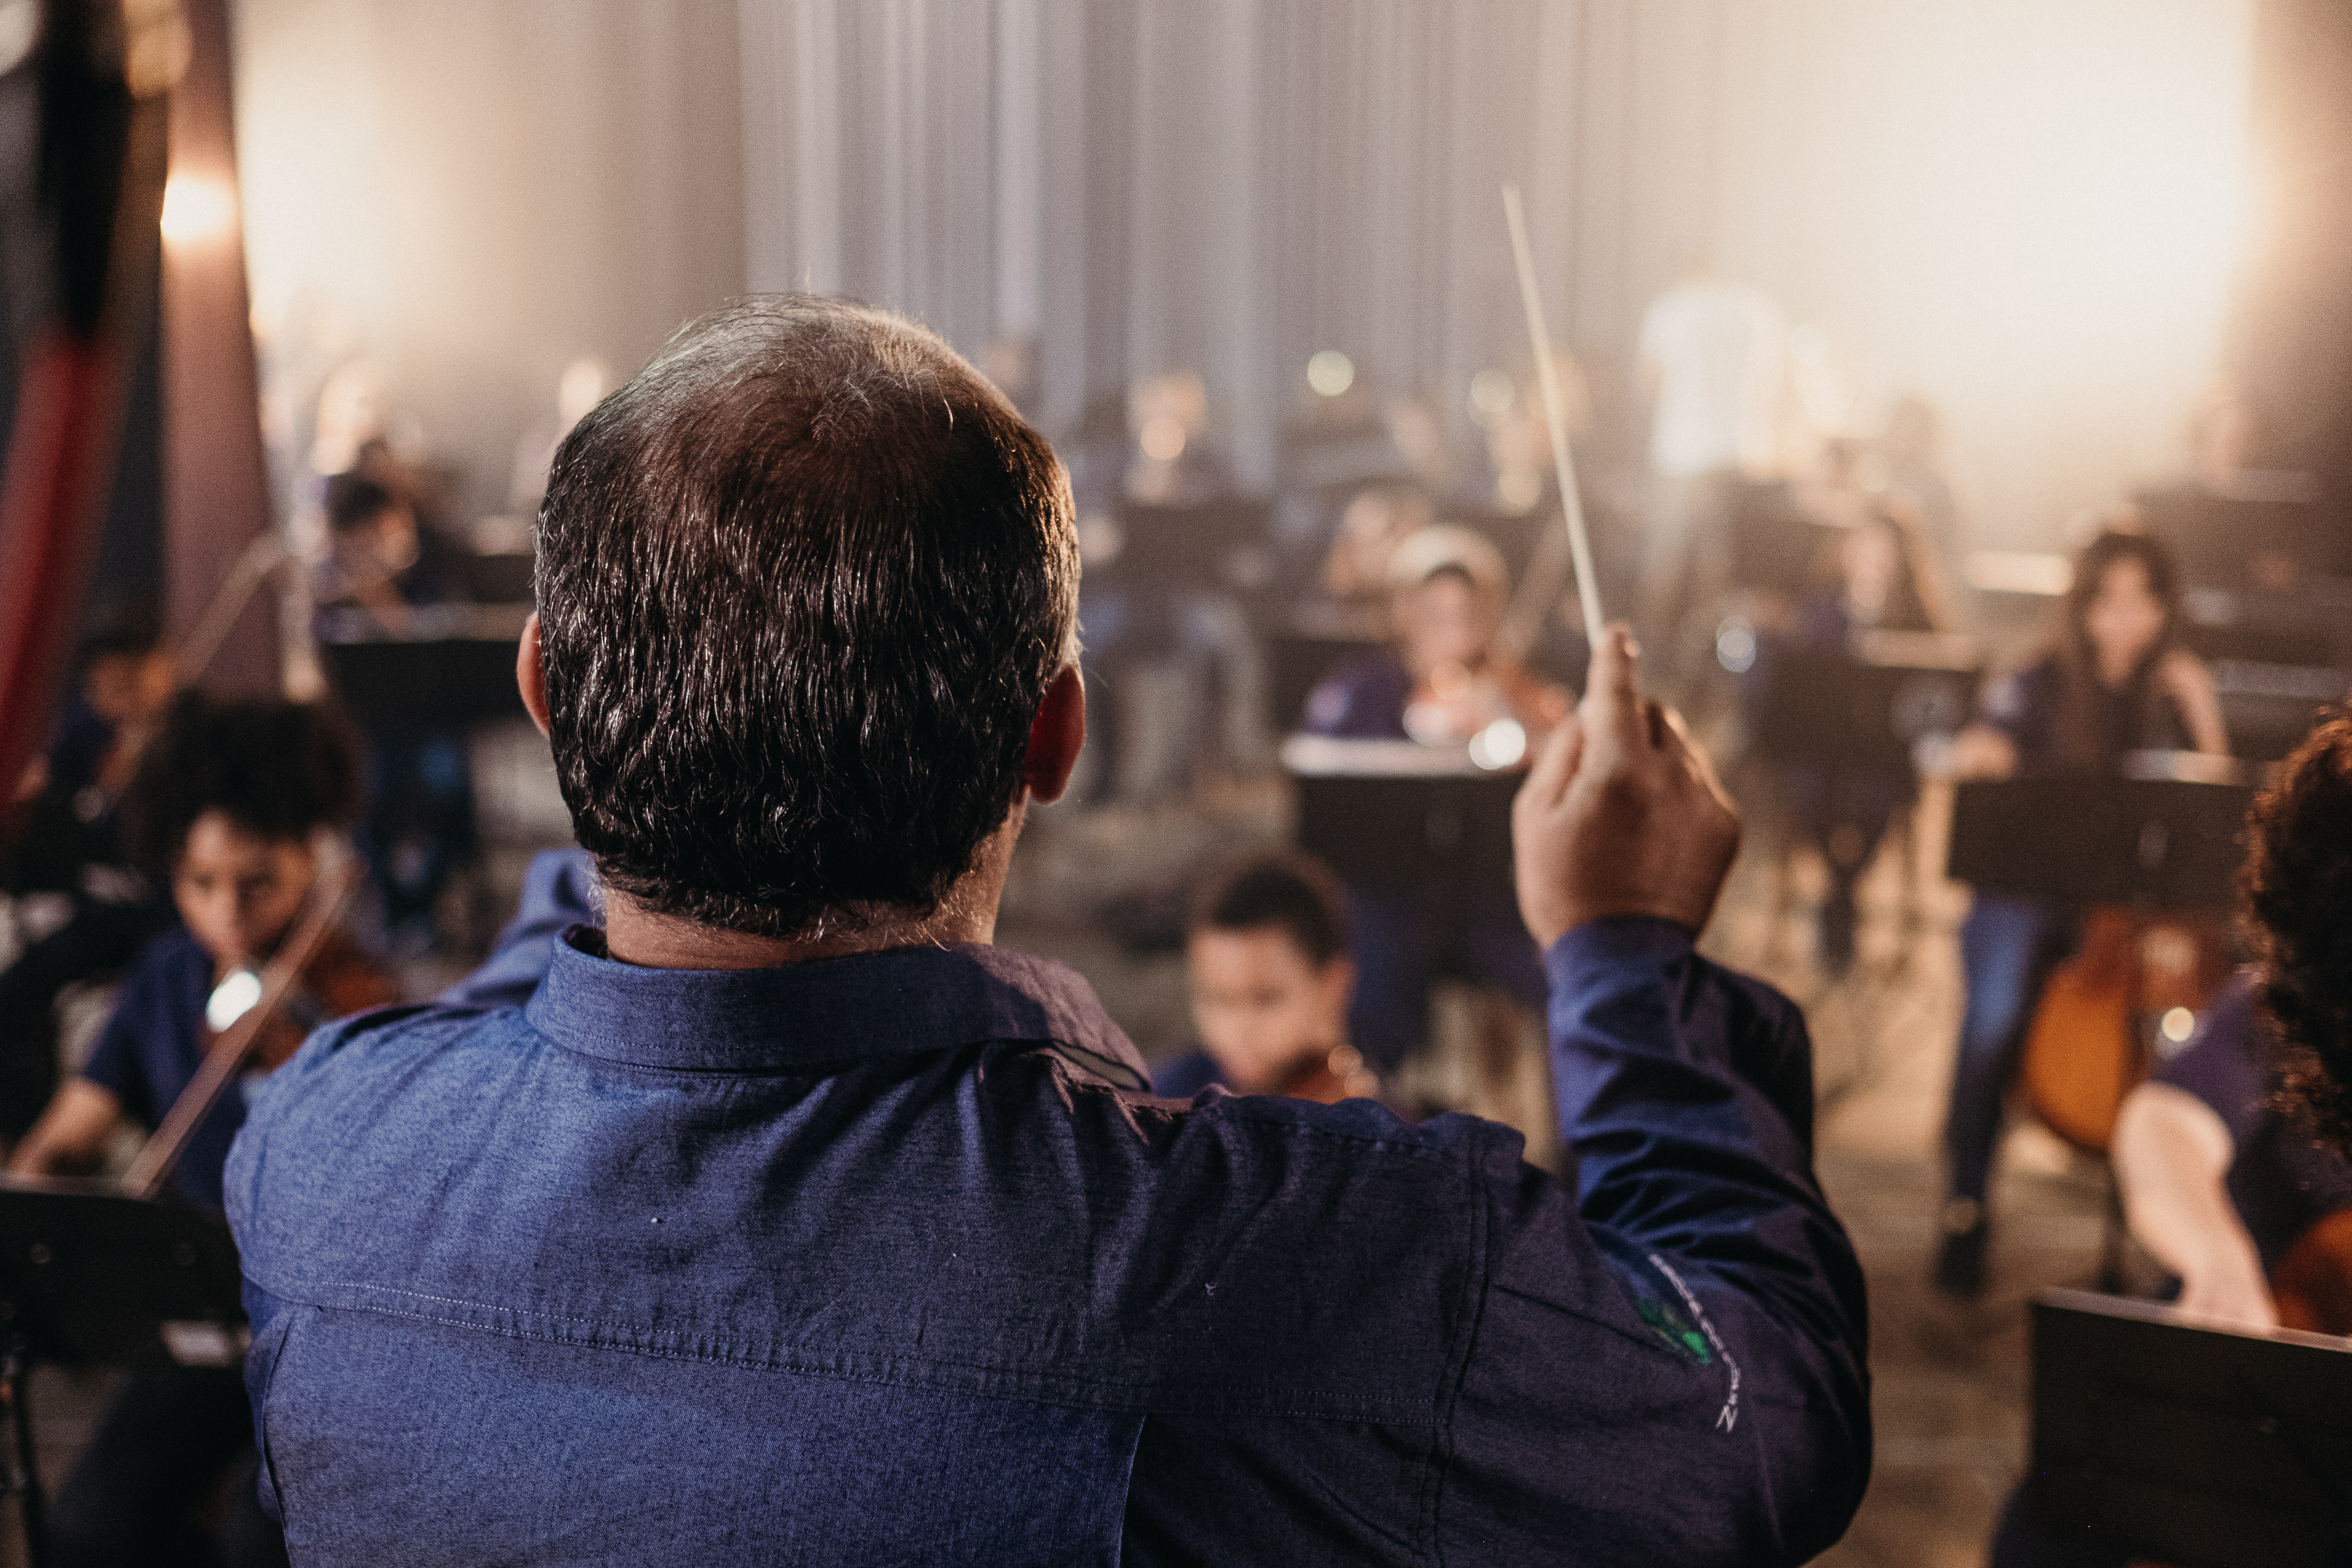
pixel 2193 1444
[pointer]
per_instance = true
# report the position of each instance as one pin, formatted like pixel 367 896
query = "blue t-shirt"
pixel 2027 707
pixel 152 1047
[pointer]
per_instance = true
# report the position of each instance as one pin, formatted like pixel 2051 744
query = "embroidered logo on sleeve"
pixel 1728 1417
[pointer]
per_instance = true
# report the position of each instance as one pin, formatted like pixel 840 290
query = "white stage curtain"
pixel 2027 210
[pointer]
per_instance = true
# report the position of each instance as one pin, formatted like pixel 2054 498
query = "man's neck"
pixel 652 940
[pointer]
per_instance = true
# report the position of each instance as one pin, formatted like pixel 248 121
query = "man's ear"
pixel 1055 735
pixel 531 674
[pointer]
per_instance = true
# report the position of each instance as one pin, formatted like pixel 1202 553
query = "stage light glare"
pixel 232 999
pixel 1491 392
pixel 197 209
pixel 1735 644
pixel 1163 438
pixel 2178 1025
pixel 1499 745
pixel 1330 372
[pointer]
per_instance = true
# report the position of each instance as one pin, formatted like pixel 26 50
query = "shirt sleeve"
pixel 114 1063
pixel 559 891
pixel 1693 1313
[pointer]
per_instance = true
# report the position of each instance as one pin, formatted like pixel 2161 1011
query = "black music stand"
pixel 1167 550
pixel 1824 705
pixel 2200 1447
pixel 89 1274
pixel 2155 843
pixel 1433 829
pixel 397 686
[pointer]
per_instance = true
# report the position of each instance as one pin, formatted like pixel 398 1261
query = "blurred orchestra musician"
pixel 1172 463
pixel 227 810
pixel 383 559
pixel 2113 681
pixel 2297 886
pixel 2234 1161
pixel 1444 683
pixel 2219 1176
pixel 1376 520
pixel 385 564
pixel 1875 575
pixel 62 841
pixel 1266 960
pixel 1909 457
pixel 1713 363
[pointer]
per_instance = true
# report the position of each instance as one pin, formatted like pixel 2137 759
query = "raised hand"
pixel 1621 813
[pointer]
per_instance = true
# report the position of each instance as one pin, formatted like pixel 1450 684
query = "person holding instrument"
pixel 2234 1162
pixel 2219 1181
pixel 225 808
pixel 2114 680
pixel 1444 683
pixel 63 837
pixel 790 1216
pixel 1267 962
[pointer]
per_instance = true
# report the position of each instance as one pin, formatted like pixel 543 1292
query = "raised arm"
pixel 1737 1386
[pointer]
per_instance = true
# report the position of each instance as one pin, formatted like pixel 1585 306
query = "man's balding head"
pixel 802 584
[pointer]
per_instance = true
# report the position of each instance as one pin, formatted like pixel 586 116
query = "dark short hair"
pixel 1291 892
pixel 129 627
pixel 354 498
pixel 801 584
pixel 277 770
pixel 2296 889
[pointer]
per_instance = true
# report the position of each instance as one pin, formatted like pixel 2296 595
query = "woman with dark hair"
pixel 2113 680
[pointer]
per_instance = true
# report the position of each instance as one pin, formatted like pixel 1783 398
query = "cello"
pixel 2136 976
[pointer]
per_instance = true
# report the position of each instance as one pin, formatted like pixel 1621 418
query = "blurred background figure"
pixel 1378 519
pixel 1172 463
pixel 1440 683
pixel 1711 363
pixel 581 387
pixel 383 568
pixel 1874 575
pixel 231 808
pixel 83 912
pixel 1266 959
pixel 2113 680
pixel 1914 465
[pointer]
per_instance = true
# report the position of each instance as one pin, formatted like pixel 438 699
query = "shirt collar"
pixel 901 1002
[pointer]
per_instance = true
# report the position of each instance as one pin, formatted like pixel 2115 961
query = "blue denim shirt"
pixel 892 1259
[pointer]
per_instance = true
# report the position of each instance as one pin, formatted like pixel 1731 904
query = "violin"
pixel 2135 973
pixel 254 1023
